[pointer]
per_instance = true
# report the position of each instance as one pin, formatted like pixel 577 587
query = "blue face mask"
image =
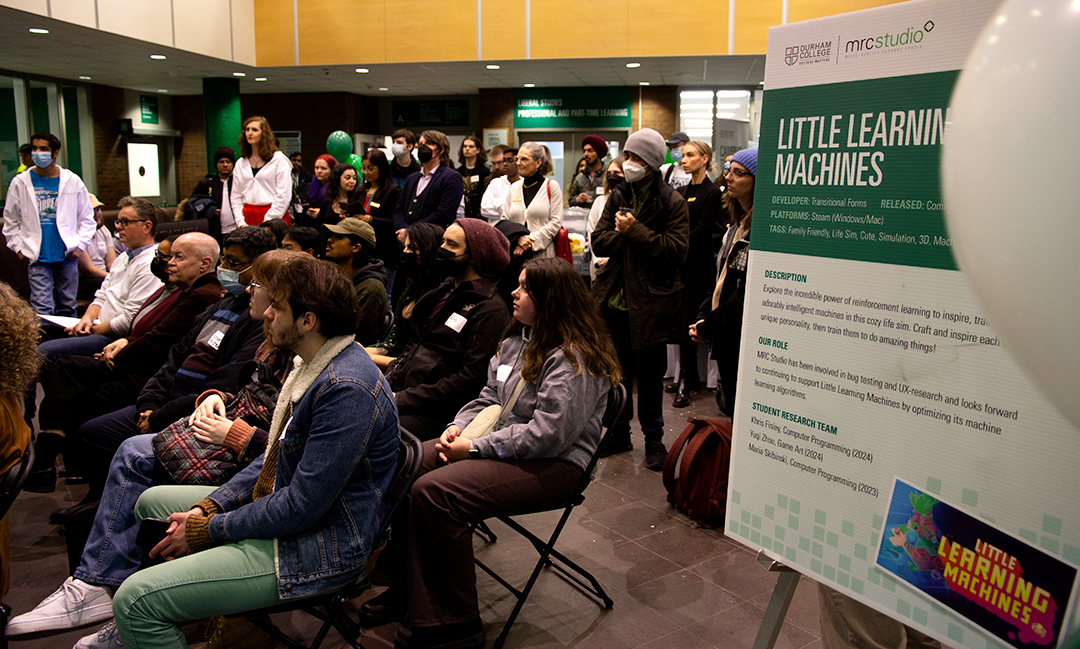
pixel 42 158
pixel 230 281
pixel 676 155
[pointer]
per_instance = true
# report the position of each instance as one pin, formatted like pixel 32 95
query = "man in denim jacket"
pixel 300 520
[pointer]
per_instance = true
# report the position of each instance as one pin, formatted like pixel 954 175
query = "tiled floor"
pixel 675 585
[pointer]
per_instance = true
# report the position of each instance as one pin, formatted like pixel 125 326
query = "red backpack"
pixel 702 455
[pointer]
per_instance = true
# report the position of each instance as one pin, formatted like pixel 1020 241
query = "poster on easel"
pixel 886 444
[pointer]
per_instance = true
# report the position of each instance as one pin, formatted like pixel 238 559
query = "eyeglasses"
pixel 254 285
pixel 158 255
pixel 738 173
pixel 521 159
pixel 123 223
pixel 233 265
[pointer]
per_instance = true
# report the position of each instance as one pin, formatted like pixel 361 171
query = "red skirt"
pixel 256 214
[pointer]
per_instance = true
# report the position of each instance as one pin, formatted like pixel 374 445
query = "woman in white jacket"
pixel 535 201
pixel 262 178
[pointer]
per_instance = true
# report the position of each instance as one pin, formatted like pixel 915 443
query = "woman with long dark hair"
pixel 262 177
pixel 473 169
pixel 720 316
pixel 379 196
pixel 342 195
pixel 316 191
pixel 557 349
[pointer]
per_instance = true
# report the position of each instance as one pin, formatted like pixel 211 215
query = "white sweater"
pixel 74 215
pixel 543 217
pixel 272 186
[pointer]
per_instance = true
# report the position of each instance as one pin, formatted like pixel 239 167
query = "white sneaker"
pixel 73 605
pixel 106 638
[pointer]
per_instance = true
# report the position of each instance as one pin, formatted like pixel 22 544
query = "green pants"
pixel 230 578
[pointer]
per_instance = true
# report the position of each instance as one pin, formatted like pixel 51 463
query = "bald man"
pixel 80 388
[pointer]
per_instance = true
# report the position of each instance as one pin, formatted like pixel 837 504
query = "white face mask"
pixel 397 149
pixel 633 171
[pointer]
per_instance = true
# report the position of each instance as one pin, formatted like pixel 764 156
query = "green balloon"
pixel 339 145
pixel 354 160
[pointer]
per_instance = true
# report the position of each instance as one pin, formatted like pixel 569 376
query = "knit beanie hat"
pixel 224 152
pixel 489 249
pixel 748 159
pixel 648 145
pixel 598 144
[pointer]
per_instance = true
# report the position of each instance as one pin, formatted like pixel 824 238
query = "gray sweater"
pixel 558 416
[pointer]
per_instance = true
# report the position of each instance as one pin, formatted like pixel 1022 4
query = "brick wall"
pixel 657 107
pixel 315 115
pixel 109 147
pixel 497 109
pixel 190 147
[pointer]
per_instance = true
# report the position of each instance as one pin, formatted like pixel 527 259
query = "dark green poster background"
pixel 862 179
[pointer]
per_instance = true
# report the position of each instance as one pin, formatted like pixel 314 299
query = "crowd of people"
pixel 320 313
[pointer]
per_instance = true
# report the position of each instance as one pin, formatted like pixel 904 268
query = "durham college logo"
pixel 809 53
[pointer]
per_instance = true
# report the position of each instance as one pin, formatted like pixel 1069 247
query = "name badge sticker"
pixel 375 205
pixel 516 200
pixel 474 179
pixel 691 199
pixel 503 373
pixel 456 321
pixel 215 340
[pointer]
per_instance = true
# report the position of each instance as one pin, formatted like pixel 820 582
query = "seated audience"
pixel 559 351
pixel 350 247
pixel 456 327
pixel 303 239
pixel 79 388
pixel 418 275
pixel 240 423
pixel 277 227
pixel 18 335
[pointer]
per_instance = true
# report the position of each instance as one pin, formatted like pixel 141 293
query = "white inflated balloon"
pixel 1011 180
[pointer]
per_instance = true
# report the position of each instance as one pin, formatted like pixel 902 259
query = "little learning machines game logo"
pixel 1012 590
pixel 809 53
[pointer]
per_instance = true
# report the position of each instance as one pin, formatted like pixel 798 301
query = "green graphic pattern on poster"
pixel 858 177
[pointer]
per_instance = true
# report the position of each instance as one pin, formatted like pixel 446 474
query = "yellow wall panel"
pixel 274 32
pixel 572 28
pixel 342 32
pixel 807 9
pixel 653 31
pixel 504 30
pixel 432 30
pixel 80 12
pixel 753 18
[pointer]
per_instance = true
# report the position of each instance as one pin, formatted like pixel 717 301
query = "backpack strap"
pixel 672 458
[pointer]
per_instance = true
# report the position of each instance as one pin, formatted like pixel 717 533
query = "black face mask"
pixel 408 262
pixel 425 153
pixel 157 269
pixel 450 264
pixel 613 181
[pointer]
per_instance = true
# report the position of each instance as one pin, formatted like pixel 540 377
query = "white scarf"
pixel 300 379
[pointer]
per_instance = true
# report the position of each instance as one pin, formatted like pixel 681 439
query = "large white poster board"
pixel 885 442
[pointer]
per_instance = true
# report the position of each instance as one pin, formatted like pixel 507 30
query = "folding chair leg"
pixel 484 532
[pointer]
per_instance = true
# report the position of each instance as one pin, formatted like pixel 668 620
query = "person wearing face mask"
pixel 403 164
pixel 535 201
pixel 707 215
pixel 612 178
pixel 48 219
pixel 644 232
pixel 456 327
pixel 673 172
pixel 431 195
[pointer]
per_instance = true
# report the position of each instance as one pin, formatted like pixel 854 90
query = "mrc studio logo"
pixel 808 53
pixel 908 39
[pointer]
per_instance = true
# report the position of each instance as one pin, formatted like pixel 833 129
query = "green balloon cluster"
pixel 354 160
pixel 339 145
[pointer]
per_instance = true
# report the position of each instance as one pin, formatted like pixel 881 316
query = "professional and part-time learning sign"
pixel 886 444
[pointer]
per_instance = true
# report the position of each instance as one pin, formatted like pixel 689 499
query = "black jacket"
pixel 381 210
pixel 217 190
pixel 236 348
pixel 645 260
pixel 447 368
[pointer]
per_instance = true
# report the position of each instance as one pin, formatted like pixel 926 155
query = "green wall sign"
pixel 597 107
pixel 148 109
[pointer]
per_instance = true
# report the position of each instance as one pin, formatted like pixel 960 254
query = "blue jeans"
pixel 53 287
pixel 110 555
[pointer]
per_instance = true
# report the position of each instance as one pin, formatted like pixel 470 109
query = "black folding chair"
pixel 10 488
pixel 410 457
pixel 546 549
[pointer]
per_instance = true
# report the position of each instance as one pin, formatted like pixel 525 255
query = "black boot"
pixel 42 478
pixel 682 397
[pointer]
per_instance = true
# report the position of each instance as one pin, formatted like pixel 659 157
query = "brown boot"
pixel 237 633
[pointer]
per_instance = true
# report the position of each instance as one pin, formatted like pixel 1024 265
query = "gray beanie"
pixel 648 145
